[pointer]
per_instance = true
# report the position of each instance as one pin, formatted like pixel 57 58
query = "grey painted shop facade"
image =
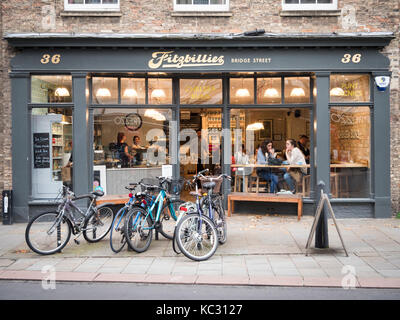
pixel 179 56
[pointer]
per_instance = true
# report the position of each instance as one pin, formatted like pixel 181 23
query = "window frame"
pixel 91 6
pixel 201 7
pixel 309 6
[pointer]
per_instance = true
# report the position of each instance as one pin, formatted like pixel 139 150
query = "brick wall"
pixel 155 16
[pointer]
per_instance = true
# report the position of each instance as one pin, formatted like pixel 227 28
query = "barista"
pixel 139 150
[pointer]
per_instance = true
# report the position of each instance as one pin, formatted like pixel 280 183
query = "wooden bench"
pixel 115 199
pixel 265 197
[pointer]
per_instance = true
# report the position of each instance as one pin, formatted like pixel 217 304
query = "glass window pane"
pixel 160 91
pixel 307 1
pixel 254 133
pixel 51 89
pixel 200 1
pixel 324 1
pixel 349 88
pixel 105 90
pixel 183 1
pixel 92 1
pixel 196 91
pixel 350 152
pixel 129 145
pixel 52 161
pixel 75 1
pixel 297 90
pixel 242 90
pixel 269 90
pixel 133 91
pixel 291 1
pixel 217 1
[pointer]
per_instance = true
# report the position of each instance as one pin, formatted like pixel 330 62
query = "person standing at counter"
pixel 123 151
pixel 138 149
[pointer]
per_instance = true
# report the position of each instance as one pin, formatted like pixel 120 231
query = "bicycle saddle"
pixel 98 193
pixel 208 185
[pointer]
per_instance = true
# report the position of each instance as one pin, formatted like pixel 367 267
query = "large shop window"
pixel 260 151
pixel 350 152
pixel 52 160
pixel 129 145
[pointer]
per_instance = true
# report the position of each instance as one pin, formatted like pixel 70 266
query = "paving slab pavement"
pixel 261 250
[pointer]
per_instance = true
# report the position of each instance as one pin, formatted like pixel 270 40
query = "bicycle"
pixel 117 234
pixel 218 212
pixel 140 222
pixel 50 231
pixel 196 234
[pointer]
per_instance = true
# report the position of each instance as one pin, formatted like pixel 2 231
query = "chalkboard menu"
pixel 41 150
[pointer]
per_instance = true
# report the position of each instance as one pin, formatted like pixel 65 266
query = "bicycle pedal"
pixel 77 241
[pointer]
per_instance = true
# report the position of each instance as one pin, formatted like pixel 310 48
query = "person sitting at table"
pixel 294 157
pixel 241 157
pixel 302 145
pixel 265 173
pixel 123 152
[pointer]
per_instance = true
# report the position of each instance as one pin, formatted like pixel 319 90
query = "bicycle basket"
pixel 218 183
pixel 175 186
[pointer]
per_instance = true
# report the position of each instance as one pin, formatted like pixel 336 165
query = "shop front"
pixel 93 111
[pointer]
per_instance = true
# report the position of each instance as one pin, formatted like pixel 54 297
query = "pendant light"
pixel 61 92
pixel 242 92
pixel 271 93
pixel 297 92
pixel 255 126
pixel 103 92
pixel 337 92
pixel 130 92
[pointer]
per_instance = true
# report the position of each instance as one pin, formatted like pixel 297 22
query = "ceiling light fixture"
pixel 337 92
pixel 61 92
pixel 271 93
pixel 297 92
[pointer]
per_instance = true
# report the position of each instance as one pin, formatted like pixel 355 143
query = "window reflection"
pixel 206 91
pixel 349 87
pixel 350 152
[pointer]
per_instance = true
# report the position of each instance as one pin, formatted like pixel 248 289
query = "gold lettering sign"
pixel 167 59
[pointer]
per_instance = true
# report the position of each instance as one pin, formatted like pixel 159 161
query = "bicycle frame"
pixel 159 200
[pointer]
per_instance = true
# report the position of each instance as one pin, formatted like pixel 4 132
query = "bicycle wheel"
pixel 218 215
pixel 98 224
pixel 138 229
pixel 197 237
pixel 47 233
pixel 168 218
pixel 117 235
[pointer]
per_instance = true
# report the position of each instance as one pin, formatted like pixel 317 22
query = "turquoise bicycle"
pixel 161 216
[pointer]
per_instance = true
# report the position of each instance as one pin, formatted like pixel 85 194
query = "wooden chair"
pixel 258 182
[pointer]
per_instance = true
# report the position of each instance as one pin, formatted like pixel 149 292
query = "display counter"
pixel 119 178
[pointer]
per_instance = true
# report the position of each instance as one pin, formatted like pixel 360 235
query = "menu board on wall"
pixel 41 150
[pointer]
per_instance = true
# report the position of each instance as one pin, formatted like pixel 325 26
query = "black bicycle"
pixel 49 232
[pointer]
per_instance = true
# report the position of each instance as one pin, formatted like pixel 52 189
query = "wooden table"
pixel 265 197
